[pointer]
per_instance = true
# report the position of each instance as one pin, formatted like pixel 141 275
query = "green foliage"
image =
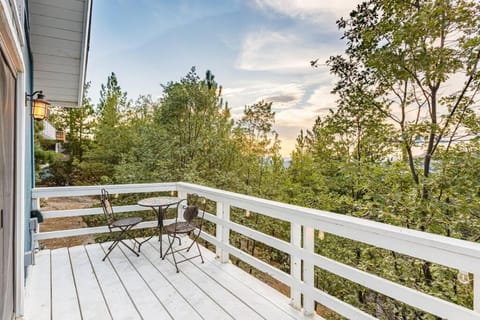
pixel 44 153
pixel 78 124
pixel 390 152
pixel 397 99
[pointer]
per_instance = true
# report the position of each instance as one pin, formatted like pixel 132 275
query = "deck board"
pixel 120 304
pixel 268 294
pixel 174 302
pixel 145 300
pixel 203 304
pixel 38 281
pixel 126 287
pixel 232 304
pixel 64 292
pixel 91 298
pixel 249 296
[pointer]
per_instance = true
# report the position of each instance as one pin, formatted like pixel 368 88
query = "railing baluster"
pixel 476 292
pixel 308 271
pixel 296 265
pixel 223 232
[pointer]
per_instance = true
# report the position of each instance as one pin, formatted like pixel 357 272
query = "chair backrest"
pixel 190 213
pixel 107 206
pixel 194 210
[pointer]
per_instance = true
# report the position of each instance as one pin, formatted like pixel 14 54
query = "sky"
pixel 257 50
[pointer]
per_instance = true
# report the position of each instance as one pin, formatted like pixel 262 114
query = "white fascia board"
pixel 85 47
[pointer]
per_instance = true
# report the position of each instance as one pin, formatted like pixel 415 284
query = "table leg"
pixel 160 227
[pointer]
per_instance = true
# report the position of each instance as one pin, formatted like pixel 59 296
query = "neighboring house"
pixel 49 132
pixel 43 46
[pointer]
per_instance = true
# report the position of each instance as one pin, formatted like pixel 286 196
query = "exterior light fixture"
pixel 39 105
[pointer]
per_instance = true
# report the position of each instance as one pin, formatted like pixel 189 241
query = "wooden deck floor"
pixel 73 283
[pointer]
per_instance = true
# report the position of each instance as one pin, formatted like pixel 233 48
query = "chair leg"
pixel 170 248
pixel 174 259
pixel 110 249
pixel 199 252
pixel 191 244
pixel 129 248
pixel 171 241
pixel 194 241
pixel 138 243
pixel 198 247
pixel 119 239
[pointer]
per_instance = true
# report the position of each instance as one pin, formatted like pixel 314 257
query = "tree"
pixel 258 142
pixel 406 56
pixel 110 140
pixel 43 152
pixel 78 125
pixel 413 64
pixel 198 126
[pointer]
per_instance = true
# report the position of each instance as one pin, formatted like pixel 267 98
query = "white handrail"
pixel 51 192
pixel 455 253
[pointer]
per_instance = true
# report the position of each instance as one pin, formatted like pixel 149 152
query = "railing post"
pixel 182 194
pixel 308 271
pixel 476 292
pixel 222 231
pixel 296 266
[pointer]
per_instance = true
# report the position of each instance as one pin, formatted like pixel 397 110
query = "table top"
pixel 158 201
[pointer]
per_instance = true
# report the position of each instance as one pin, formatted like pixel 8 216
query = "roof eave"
pixel 85 48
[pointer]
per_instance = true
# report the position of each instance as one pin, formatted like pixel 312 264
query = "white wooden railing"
pixel 453 253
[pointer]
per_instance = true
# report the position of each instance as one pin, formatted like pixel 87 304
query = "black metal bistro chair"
pixel 191 224
pixel 119 225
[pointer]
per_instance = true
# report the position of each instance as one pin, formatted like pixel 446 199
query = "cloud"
pixel 322 98
pixel 274 51
pixel 281 98
pixel 314 11
pixel 285 51
pixel 283 95
pixel 303 115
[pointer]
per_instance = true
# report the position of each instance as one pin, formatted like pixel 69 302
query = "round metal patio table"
pixel 159 205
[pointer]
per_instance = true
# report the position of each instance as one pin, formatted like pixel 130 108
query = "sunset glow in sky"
pixel 257 49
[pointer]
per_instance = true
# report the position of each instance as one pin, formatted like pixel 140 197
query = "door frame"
pixel 9 247
pixel 11 42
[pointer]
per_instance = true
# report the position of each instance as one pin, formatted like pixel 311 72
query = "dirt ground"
pixel 55 224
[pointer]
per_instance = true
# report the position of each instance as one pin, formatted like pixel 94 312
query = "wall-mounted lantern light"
pixel 39 105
